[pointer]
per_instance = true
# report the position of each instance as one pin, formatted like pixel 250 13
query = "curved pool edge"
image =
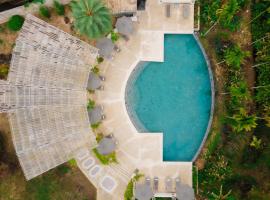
pixel 209 126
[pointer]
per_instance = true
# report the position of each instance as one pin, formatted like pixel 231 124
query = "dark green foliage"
pixel 44 12
pixel 4 69
pixel 114 36
pixel 92 18
pixel 226 14
pixel 63 169
pixel 234 56
pixel 242 183
pixel 59 8
pixel 214 174
pixel 261 42
pixel 41 187
pixel 90 105
pixel 15 23
pixel 208 11
pixel 129 190
pixel 100 60
pixel 95 69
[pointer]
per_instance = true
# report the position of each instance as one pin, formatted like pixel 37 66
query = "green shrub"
pixel 59 8
pixel 2 29
pixel 15 23
pixel 3 71
pixel 214 142
pixel 95 126
pixel 241 183
pixel 72 162
pixel 63 169
pixel 129 190
pixel 1 41
pixel 44 12
pixel 90 105
pixel 95 69
pixel 100 60
pixel 105 159
pixel 114 36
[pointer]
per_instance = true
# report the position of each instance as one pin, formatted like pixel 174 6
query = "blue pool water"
pixel 173 97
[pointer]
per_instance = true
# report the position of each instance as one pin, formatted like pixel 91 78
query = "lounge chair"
pixel 168 184
pixel 186 10
pixel 168 10
pixel 155 184
pixel 102 78
pixel 116 48
pixel 147 180
pixel 126 38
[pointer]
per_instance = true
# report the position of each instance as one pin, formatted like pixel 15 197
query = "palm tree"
pixel 256 143
pixel 234 56
pixel 239 91
pixel 92 18
pixel 242 121
pixel 220 195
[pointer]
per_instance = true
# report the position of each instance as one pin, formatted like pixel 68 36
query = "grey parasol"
pixel 143 192
pixel 95 115
pixel 106 146
pixel 94 81
pixel 184 192
pixel 105 46
pixel 124 25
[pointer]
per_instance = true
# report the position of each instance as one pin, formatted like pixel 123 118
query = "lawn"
pixel 64 182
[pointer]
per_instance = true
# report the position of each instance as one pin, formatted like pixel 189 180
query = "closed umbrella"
pixel 95 115
pixel 143 192
pixel 124 25
pixel 106 146
pixel 105 46
pixel 184 192
pixel 94 81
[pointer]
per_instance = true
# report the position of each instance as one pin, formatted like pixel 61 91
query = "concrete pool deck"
pixel 135 150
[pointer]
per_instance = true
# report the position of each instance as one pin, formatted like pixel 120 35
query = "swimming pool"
pixel 173 97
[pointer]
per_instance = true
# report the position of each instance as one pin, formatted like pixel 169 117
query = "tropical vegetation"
pixel 92 18
pixel 236 162
pixel 44 12
pixel 59 8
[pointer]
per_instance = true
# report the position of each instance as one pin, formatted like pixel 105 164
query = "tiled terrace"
pixel 141 151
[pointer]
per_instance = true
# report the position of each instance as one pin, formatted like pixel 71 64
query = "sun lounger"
pixel 102 78
pixel 147 180
pixel 168 184
pixel 168 10
pixel 186 10
pixel 116 48
pixel 156 184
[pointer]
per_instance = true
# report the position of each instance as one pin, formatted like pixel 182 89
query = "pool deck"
pixel 135 150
